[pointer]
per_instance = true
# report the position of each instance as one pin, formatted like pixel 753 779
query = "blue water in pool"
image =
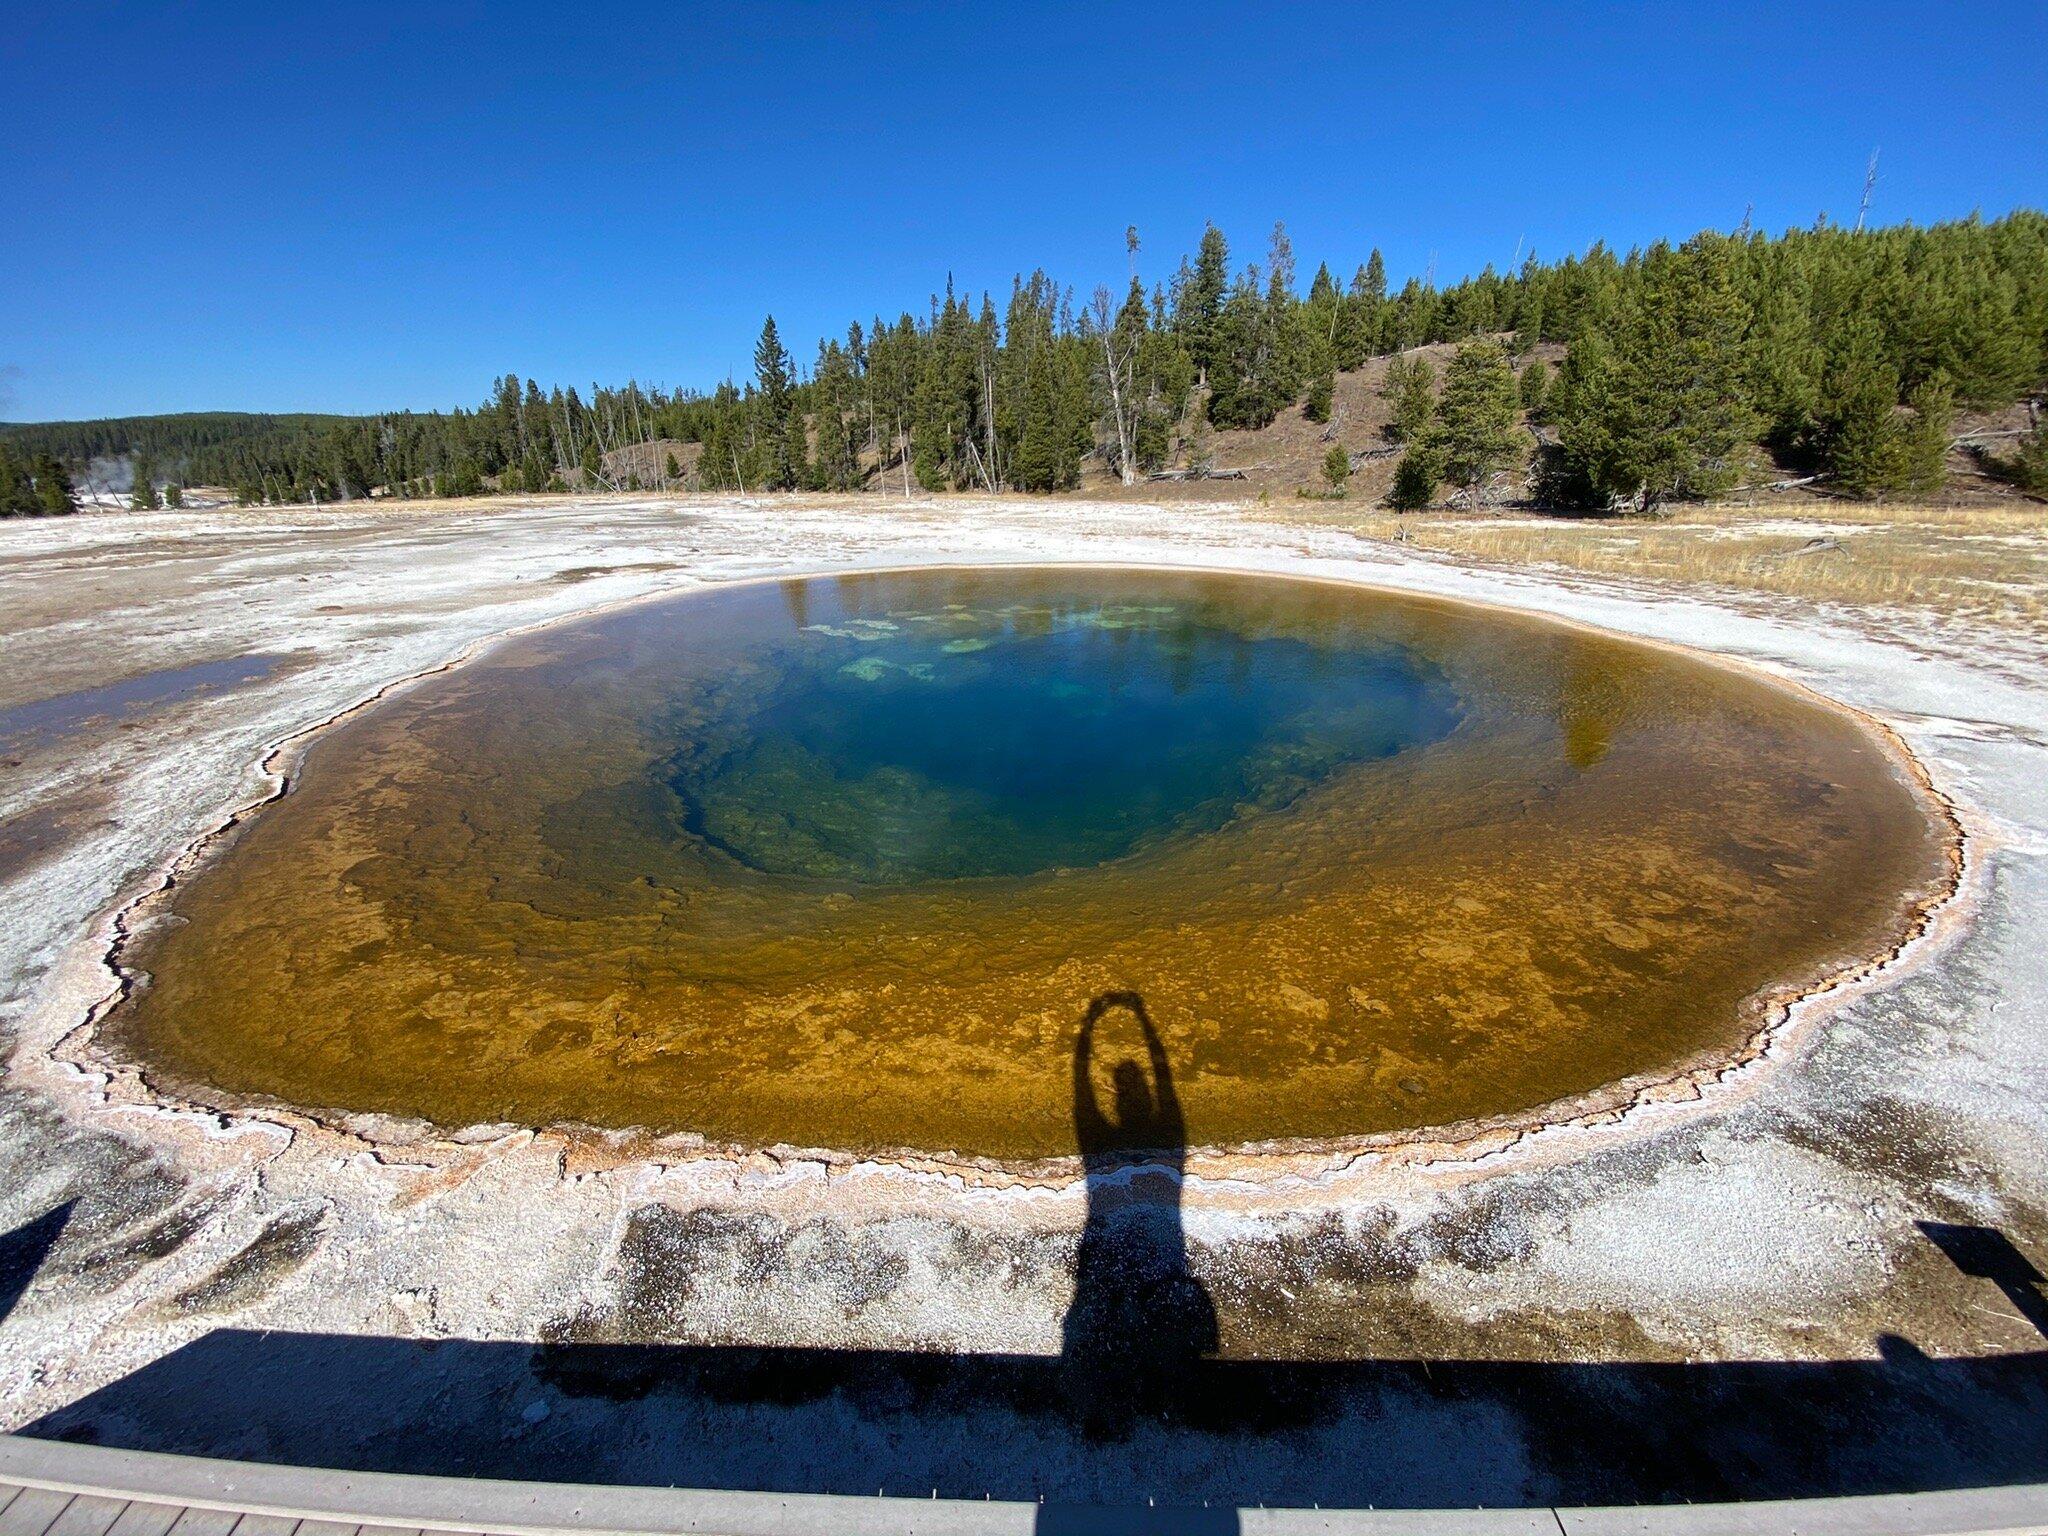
pixel 961 741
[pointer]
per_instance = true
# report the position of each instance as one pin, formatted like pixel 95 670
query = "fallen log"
pixel 1365 455
pixel 1196 474
pixel 1778 485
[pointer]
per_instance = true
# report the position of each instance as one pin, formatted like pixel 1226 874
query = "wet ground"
pixel 1819 1275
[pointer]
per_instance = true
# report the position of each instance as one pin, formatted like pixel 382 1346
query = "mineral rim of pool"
pixel 842 862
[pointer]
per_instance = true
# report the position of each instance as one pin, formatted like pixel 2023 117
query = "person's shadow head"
pixel 1140 1319
pixel 1145 1113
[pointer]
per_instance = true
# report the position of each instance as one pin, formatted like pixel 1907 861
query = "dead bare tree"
pixel 975 462
pixel 988 418
pixel 1869 182
pixel 1119 366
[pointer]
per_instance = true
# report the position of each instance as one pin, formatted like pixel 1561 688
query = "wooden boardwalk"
pixel 52 1512
pixel 50 1488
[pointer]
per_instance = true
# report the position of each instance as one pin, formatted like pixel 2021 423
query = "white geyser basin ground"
pixel 253 1282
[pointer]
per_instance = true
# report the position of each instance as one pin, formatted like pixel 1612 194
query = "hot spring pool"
pixel 842 862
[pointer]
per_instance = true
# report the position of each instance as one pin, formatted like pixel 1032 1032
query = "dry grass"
pixel 1983 564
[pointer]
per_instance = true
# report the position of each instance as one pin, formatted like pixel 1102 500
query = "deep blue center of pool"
pixel 960 742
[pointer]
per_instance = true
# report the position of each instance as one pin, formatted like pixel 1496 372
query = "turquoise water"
pixel 889 746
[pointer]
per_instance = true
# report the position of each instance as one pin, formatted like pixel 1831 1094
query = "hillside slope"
pixel 1285 458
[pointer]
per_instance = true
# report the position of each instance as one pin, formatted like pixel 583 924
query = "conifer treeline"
pixel 36 487
pixel 1840 353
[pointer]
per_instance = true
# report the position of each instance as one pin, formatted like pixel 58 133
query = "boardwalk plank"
pixel 146 1520
pixel 265 1525
pixel 8 1491
pixel 89 1514
pixel 326 1528
pixel 204 1522
pixel 32 1512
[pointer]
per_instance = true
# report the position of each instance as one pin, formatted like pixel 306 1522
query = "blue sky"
pixel 226 206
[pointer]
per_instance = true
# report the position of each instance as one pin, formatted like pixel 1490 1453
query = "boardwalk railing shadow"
pixel 1988 1254
pixel 1391 1433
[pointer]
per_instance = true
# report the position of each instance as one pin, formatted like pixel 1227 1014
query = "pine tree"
pixel 1318 322
pixel 948 381
pixel 17 488
pixel 1665 415
pixel 1291 352
pixel 1476 432
pixel 1119 355
pixel 772 389
pixel 143 496
pixel 1199 311
pixel 1375 284
pixel 837 464
pixel 1410 392
pixel 1860 440
pixel 1322 395
pixel 1336 468
pixel 1535 385
pixel 2027 466
pixel 174 495
pixel 1237 349
pixel 719 464
pixel 1041 459
pixel 1924 438
pixel 1363 319
pixel 1986 349
pixel 1415 480
pixel 53 494
pixel 793 460
pixel 1782 371
pixel 1260 345
pixel 1863 440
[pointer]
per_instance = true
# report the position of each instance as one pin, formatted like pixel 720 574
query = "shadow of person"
pixel 1139 1319
pixel 1985 1253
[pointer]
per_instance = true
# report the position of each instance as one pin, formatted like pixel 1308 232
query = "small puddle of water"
pixel 41 721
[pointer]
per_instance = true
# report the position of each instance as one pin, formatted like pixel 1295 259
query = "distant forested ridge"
pixel 1826 352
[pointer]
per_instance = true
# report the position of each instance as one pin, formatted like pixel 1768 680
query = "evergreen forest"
pixel 1839 356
